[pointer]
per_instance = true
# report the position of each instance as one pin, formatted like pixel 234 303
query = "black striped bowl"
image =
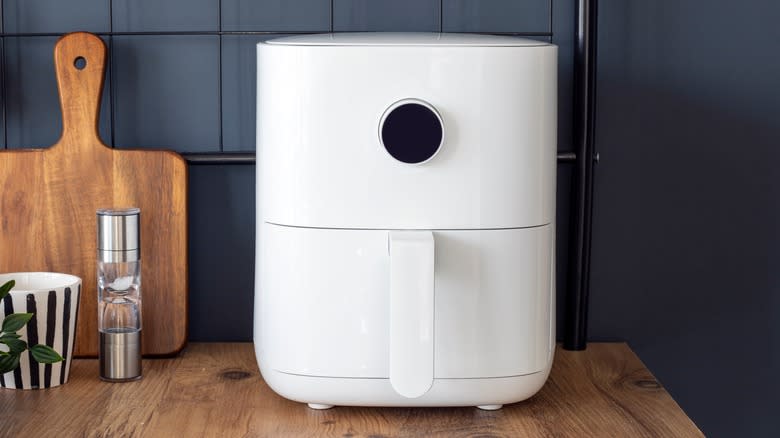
pixel 54 299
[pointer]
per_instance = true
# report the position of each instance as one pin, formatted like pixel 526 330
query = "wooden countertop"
pixel 217 390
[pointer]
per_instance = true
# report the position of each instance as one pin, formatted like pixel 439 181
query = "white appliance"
pixel 406 217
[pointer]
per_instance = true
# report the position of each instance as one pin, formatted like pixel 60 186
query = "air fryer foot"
pixel 490 407
pixel 319 406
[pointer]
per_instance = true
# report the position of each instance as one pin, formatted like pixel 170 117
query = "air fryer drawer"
pixel 324 297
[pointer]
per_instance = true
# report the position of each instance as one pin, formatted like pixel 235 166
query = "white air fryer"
pixel 406 218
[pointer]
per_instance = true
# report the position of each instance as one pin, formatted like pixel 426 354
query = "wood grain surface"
pixel 217 390
pixel 49 198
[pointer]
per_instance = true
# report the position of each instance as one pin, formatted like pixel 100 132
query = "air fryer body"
pixel 406 208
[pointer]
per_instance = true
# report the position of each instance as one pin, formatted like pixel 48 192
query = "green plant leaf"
pixel 14 345
pixel 8 362
pixel 15 321
pixel 10 336
pixel 6 287
pixel 45 354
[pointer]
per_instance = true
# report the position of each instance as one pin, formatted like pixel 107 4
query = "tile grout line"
pixel 219 79
pixel 441 16
pixel 552 25
pixel 2 75
pixel 111 82
pixel 5 97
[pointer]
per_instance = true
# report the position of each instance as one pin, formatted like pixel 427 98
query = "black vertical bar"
pixel 32 339
pixel 66 305
pixel 576 304
pixel 51 321
pixel 331 15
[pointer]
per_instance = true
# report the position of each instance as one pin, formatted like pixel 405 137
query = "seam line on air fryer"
pixel 387 378
pixel 409 229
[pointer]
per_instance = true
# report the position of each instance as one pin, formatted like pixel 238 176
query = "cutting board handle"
pixel 80 63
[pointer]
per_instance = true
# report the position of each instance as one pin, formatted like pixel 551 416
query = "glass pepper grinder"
pixel 119 293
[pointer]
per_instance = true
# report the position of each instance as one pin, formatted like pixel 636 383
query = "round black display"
pixel 411 133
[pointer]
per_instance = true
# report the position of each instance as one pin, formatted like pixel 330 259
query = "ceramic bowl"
pixel 53 298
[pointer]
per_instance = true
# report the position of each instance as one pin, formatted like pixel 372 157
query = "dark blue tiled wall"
pixel 686 223
pixel 496 15
pixel 167 92
pixel 165 15
pixel 276 15
pixel 49 16
pixel 239 84
pixel 33 115
pixel 396 15
pixel 222 242
pixel 174 87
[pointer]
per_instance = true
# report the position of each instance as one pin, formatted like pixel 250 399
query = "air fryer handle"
pixel 411 311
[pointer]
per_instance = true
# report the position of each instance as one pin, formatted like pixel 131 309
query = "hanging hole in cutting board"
pixel 80 63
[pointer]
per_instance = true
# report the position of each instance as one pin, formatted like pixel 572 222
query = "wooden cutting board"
pixel 48 200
